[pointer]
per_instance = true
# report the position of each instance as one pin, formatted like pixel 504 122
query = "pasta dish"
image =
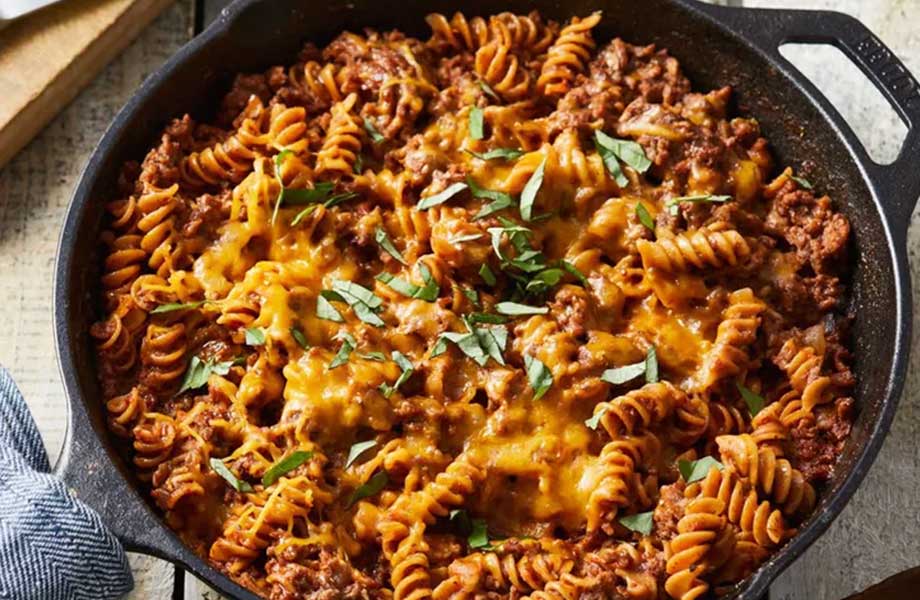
pixel 508 312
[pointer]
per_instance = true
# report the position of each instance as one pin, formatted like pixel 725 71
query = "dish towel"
pixel 52 546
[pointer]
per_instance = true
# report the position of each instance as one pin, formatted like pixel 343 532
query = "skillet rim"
pixel 82 435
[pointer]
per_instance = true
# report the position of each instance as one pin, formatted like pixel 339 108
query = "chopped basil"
pixel 339 198
pixel 375 356
pixel 651 365
pixel 199 371
pixel 674 203
pixel 478 343
pixel 802 182
pixel 493 195
pixel 325 310
pixel 462 519
pixel 303 215
pixel 372 131
pixel 348 346
pixel 255 336
pixel 359 164
pixel 623 374
pixel 407 370
pixel 479 534
pixel 626 151
pixel 471 295
pixel 478 317
pixel 754 401
pixel 539 376
pixel 442 196
pixel 465 238
pixel 501 153
pixel 544 280
pixel 300 338
pixel 640 523
pixel 493 341
pixel 644 217
pixel 362 301
pixel 529 194
pixel 489 91
pixel 174 306
pixel 573 270
pixel 595 419
pixel 487 275
pixel 515 309
pixel 306 196
pixel 285 465
pixel 694 470
pixel 219 467
pixel 400 285
pixel 357 450
pixel 476 123
pixel 373 486
pixel 429 292
pixel 610 162
pixel 493 207
pixel 380 235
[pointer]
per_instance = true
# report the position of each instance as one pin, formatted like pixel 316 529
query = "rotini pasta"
pixel 504 313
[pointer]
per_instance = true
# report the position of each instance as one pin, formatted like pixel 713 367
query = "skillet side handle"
pixel 898 183
pixel 91 476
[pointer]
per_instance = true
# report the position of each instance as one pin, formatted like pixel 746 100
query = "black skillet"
pixel 716 46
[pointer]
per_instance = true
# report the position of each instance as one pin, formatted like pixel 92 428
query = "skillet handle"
pixel 897 184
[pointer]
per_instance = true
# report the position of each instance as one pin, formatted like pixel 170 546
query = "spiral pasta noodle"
pixel 568 55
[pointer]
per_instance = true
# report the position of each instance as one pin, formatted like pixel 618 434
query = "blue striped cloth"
pixel 52 546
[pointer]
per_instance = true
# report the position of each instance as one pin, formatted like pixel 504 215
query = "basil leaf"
pixel 357 450
pixel 539 376
pixel 644 217
pixel 694 470
pixel 802 182
pixel 339 198
pixel 478 317
pixel 573 270
pixel 431 290
pixel 494 195
pixel 479 534
pixel 640 523
pixel 440 346
pixel 362 301
pixel 489 91
pixel 465 238
pixel 611 162
pixel 514 309
pixel 462 519
pixel 255 336
pixel 372 131
pixel 471 295
pixel 303 215
pixel 493 207
pixel 754 401
pixel 174 306
pixel 501 153
pixel 492 340
pixel 348 345
pixel 285 465
pixel 623 374
pixel 651 365
pixel 476 123
pixel 306 196
pixel 544 280
pixel 468 343
pixel 442 196
pixel 325 310
pixel 219 467
pixel 373 486
pixel 198 372
pixel 407 370
pixel 384 240
pixel 359 164
pixel 529 194
pixel 595 419
pixel 627 151
pixel 375 356
pixel 400 285
pixel 674 203
pixel 487 275
pixel 300 338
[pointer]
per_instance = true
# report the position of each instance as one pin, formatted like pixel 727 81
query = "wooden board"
pixel 50 55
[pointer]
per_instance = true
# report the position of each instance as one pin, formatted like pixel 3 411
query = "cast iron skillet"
pixel 716 46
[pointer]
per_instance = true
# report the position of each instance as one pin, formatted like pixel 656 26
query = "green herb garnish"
pixel 325 309
pixel 754 401
pixel 627 151
pixel 478 317
pixel 515 309
pixel 623 374
pixel 595 419
pixel 375 356
pixel 361 300
pixel 357 450
pixel 498 153
pixel 640 523
pixel 300 338
pixel 199 371
pixel 476 123
pixel 373 486
pixel 694 470
pixel 348 345
pixel 174 306
pixel 651 365
pixel 529 194
pixel 802 182
pixel 487 275
pixel 406 365
pixel 442 196
pixel 219 467
pixel 539 376
pixel 674 203
pixel 479 534
pixel 465 238
pixel 644 217
pixel 255 336
pixel 285 465
pixel 372 131
pixel 485 87
pixel 380 235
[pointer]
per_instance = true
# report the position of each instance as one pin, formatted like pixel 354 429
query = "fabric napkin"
pixel 52 546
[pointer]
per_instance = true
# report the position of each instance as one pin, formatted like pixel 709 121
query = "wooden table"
pixel 877 534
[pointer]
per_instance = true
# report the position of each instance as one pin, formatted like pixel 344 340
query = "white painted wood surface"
pixel 877 535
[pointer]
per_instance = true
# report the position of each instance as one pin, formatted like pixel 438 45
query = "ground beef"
pixel 670 509
pixel 816 448
pixel 244 87
pixel 643 70
pixel 571 306
pixel 305 573
pixel 811 226
pixel 160 168
pixel 207 213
